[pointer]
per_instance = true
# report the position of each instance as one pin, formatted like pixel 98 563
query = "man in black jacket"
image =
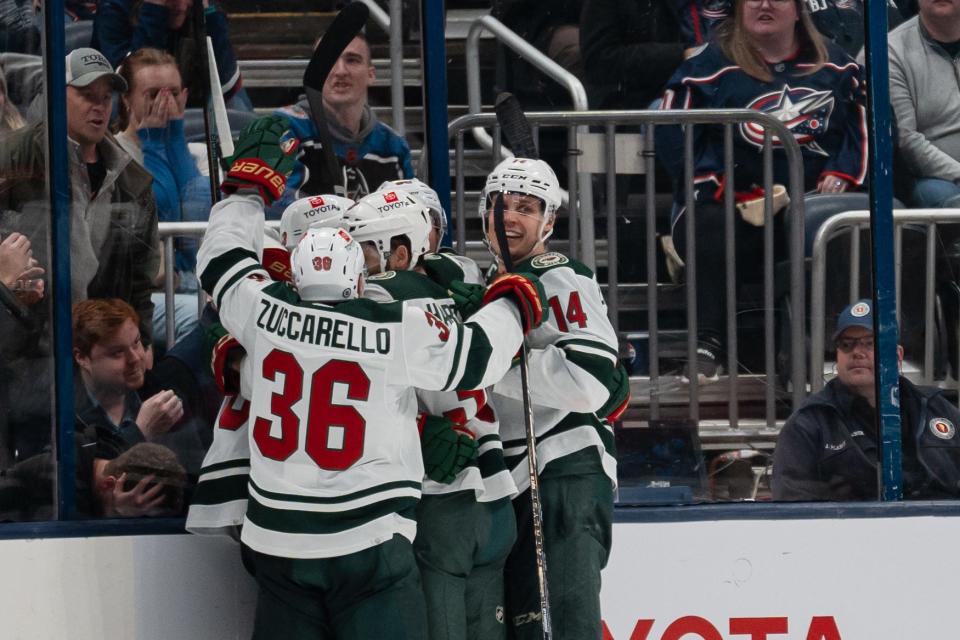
pixel 828 449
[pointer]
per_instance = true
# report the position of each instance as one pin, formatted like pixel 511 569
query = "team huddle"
pixel 370 450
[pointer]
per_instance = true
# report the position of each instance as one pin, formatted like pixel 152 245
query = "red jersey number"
pixel 573 315
pixel 335 432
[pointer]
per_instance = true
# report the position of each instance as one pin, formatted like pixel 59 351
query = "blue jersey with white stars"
pixel 824 109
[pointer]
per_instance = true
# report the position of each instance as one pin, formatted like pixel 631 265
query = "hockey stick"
pixel 224 135
pixel 213 146
pixel 519 136
pixel 514 125
pixel 341 31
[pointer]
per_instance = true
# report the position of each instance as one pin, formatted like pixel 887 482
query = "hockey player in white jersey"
pixel 576 382
pixel 335 466
pixel 442 264
pixel 465 525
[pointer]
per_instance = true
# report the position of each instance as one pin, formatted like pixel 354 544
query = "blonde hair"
pixel 145 57
pixel 10 118
pixel 735 43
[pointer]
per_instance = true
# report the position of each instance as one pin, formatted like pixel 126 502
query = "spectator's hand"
pixel 180 104
pixel 159 413
pixel 29 287
pixel 159 111
pixel 15 258
pixel 142 500
pixel 832 184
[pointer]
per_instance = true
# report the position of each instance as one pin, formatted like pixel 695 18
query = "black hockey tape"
pixel 514 125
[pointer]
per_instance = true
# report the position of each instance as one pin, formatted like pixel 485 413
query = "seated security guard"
pixel 828 449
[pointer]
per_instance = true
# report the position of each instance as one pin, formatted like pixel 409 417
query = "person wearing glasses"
pixel 829 448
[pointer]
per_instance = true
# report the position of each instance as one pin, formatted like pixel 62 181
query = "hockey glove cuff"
pixel 448 448
pixel 225 353
pixel 619 398
pixel 265 155
pixel 525 290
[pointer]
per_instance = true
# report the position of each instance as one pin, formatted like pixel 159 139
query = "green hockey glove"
pixel 467 297
pixel 619 396
pixel 265 155
pixel 448 448
pixel 525 290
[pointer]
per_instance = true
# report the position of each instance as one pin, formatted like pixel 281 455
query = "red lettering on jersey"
pixel 434 321
pixel 573 315
pixel 757 628
pixel 232 418
pixel 641 630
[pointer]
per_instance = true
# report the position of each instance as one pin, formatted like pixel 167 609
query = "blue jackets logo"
pixel 805 112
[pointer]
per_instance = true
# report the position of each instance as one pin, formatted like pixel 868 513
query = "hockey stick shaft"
pixel 536 508
pixel 514 125
pixel 213 164
pixel 337 37
pixel 220 118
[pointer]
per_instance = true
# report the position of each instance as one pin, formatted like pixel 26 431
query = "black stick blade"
pixel 341 31
pixel 515 127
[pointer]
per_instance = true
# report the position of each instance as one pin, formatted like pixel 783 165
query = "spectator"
pixel 113 238
pixel 112 366
pixel 151 130
pixel 630 49
pixel 10 118
pixel 768 57
pixel 23 74
pixel 370 151
pixel 923 58
pixel 840 21
pixel 19 26
pixel 123 26
pixel 145 480
pixel 828 449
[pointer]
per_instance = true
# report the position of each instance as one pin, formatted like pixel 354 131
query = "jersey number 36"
pixel 325 420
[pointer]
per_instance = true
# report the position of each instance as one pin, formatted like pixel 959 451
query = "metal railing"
pixel 168 232
pixel 578 95
pixel 727 118
pixel 852 222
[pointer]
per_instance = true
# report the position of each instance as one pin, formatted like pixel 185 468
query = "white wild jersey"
pixel 488 476
pixel 335 463
pixel 570 357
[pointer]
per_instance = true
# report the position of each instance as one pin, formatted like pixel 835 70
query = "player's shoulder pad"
pixel 553 261
pixel 407 285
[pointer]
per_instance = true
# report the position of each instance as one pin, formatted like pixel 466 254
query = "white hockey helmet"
pixel 312 211
pixel 327 264
pixel 526 177
pixel 382 215
pixel 420 189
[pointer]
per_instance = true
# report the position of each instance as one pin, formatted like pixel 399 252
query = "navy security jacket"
pixel 828 449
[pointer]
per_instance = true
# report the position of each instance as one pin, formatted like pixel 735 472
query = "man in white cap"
pixel 828 449
pixel 113 225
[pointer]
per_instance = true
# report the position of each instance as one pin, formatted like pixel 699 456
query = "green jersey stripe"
pixel 308 522
pixel 221 490
pixel 235 278
pixel 477 358
pixel 569 422
pixel 228 464
pixel 589 344
pixel 221 265
pixel 456 359
pixel 348 497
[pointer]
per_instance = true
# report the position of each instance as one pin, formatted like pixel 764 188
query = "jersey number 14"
pixel 324 416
